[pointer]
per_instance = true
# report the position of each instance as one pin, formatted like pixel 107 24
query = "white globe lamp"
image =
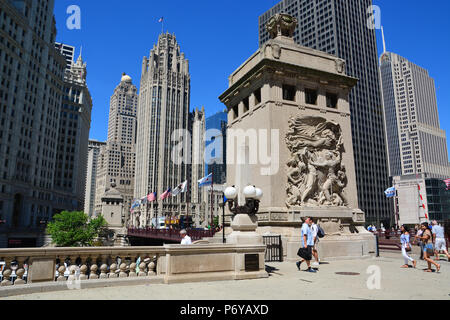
pixel 249 192
pixel 259 194
pixel 231 193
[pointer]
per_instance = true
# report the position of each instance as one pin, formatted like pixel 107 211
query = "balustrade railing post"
pixel 20 272
pixel 133 265
pixel 93 268
pixel 112 270
pixel 123 270
pixel 142 266
pixel 61 271
pixel 7 273
pixel 83 267
pixel 151 267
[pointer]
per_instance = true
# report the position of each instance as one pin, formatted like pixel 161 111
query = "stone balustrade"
pixel 26 266
pixel 57 269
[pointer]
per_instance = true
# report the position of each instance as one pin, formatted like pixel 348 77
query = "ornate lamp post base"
pixel 244 230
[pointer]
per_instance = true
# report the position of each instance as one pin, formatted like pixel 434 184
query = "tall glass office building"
pixel 216 125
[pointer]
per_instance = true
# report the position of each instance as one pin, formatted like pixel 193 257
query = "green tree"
pixel 216 221
pixel 73 229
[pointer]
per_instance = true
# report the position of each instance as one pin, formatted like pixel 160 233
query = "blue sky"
pixel 217 36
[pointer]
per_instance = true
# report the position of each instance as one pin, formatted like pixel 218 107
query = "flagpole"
pixel 188 191
pixel 146 214
pixel 212 197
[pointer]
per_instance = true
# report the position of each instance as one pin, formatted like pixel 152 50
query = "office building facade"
pixel 421 198
pixel 94 148
pixel 31 91
pixel 415 141
pixel 72 153
pixel 116 164
pixel 161 151
pixel 340 28
pixel 216 126
pixel 68 52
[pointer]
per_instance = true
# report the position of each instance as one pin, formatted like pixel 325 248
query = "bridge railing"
pixel 24 266
pixel 169 234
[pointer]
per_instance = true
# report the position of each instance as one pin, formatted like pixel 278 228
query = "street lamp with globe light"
pixel 252 196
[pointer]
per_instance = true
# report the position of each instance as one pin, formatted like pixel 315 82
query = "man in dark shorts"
pixel 307 242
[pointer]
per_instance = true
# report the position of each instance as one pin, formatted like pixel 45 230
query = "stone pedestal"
pixel 244 230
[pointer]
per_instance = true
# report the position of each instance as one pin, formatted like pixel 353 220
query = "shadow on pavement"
pixel 271 270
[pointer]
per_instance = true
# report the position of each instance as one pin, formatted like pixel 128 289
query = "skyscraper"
pixel 163 108
pixel 217 125
pixel 74 126
pixel 68 52
pixel 117 159
pixel 94 148
pixel 196 170
pixel 415 141
pixel 31 90
pixel 197 124
pixel 340 28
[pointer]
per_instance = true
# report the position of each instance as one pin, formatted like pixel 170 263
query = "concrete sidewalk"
pixel 287 283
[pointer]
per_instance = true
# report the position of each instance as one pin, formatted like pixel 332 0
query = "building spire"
pixel 384 40
pixel 80 58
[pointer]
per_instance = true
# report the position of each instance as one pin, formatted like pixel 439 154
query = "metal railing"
pixel 274 248
pixel 169 234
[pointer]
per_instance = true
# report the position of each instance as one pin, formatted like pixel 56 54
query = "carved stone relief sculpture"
pixel 316 175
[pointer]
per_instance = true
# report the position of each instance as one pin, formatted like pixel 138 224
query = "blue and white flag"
pixel 205 181
pixel 390 192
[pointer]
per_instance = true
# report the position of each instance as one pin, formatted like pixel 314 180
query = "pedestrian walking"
pixel 307 242
pixel 439 240
pixel 315 231
pixel 185 238
pixel 428 250
pixel 406 247
pixel 417 237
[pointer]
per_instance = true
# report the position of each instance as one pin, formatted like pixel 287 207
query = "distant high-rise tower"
pixel 415 141
pixel 340 28
pixel 74 126
pixel 68 52
pixel 218 165
pixel 163 108
pixel 92 164
pixel 117 158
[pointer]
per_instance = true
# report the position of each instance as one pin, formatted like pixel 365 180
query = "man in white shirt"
pixel 439 240
pixel 316 241
pixel 185 238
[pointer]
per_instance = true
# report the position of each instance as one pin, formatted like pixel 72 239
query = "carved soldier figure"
pixel 319 144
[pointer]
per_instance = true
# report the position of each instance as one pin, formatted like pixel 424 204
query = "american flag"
pixel 161 19
pixel 447 183
pixel 166 194
pixel 151 197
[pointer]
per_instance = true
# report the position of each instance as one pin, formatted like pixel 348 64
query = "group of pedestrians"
pixel 309 244
pixel 430 239
pixel 431 242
